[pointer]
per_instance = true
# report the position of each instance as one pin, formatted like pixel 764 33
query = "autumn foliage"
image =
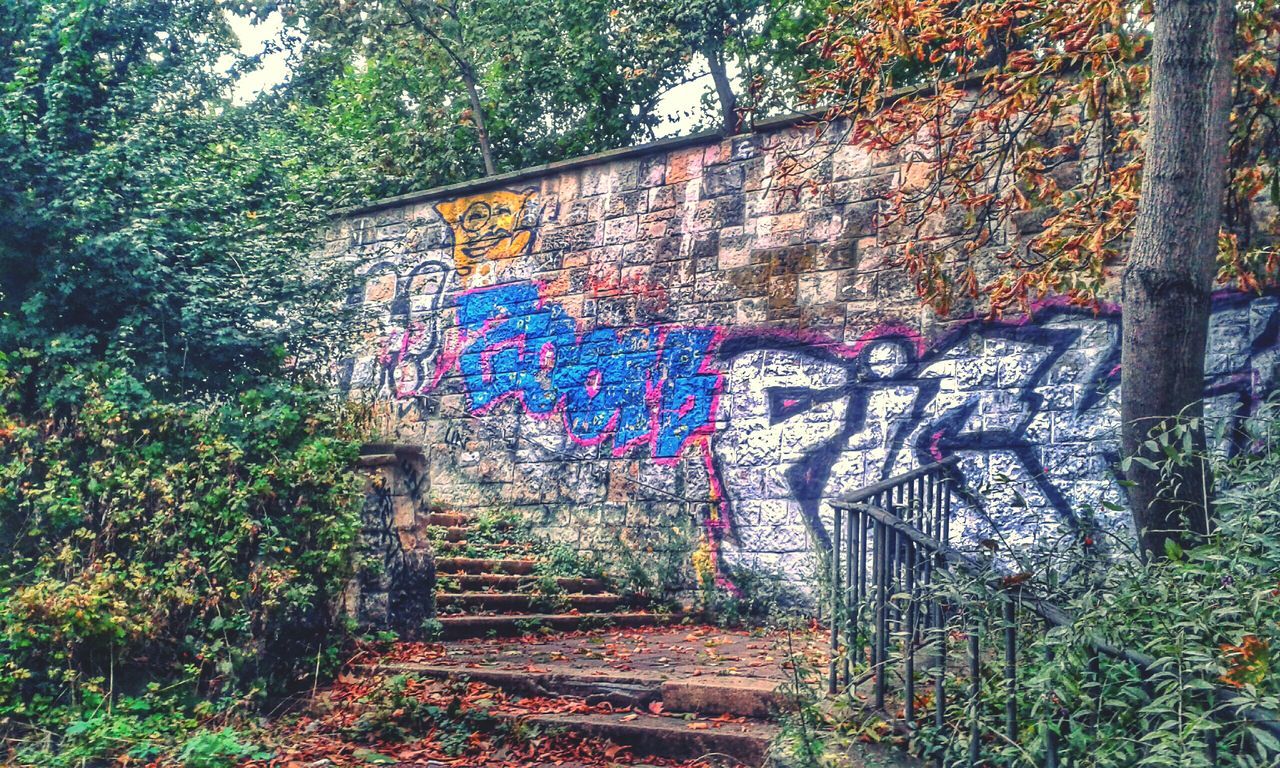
pixel 1247 663
pixel 1021 123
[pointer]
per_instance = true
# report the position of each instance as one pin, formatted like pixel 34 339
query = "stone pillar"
pixel 394 588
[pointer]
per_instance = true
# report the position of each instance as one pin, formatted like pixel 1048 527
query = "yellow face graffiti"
pixel 487 228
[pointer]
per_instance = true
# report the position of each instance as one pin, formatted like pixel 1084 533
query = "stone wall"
pixel 664 338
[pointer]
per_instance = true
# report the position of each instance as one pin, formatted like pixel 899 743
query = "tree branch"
pixel 467 73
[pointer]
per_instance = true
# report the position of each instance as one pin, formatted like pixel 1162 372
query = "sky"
pixel 681 101
pixel 253 38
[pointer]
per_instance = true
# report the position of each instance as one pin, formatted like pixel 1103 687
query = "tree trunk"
pixel 714 55
pixel 477 117
pixel 453 49
pixel 1167 285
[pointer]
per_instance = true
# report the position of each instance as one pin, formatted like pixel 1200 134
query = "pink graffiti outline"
pixel 406 338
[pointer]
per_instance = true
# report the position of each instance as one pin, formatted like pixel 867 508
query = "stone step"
pixel 669 737
pixel 509 566
pixel 738 696
pixel 453 533
pixel 449 518
pixel 640 688
pixel 519 601
pixel 501 582
pixel 457 627
pixel 724 695
pixel 459 547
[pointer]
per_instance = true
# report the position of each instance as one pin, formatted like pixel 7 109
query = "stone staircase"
pixel 698 694
pixel 653 699
pixel 554 645
pixel 492 579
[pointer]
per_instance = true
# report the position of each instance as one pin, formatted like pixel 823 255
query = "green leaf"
pixel 1265 738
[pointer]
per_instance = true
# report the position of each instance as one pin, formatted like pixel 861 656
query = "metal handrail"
pixel 869 491
pixel 1055 616
pixel 886 554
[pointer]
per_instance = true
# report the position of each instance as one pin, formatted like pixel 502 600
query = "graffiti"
pixel 403 303
pixel 396 579
pixel 1031 409
pixel 455 437
pixel 488 229
pixel 403 308
pixel 657 331
pixel 788 425
pixel 651 386
pixel 653 295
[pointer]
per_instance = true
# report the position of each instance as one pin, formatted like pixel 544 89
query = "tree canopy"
pixel 424 89
pixel 144 220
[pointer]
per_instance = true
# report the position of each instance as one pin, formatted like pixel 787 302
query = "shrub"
pixel 159 550
pixel 1209 616
pixel 217 749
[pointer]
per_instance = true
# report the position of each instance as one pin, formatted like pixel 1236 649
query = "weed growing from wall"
pixel 655 565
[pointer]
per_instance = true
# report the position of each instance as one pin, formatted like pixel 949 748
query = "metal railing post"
pixel 909 643
pixel 1049 725
pixel 975 691
pixel 850 629
pixel 940 672
pixel 1011 670
pixel 880 650
pixel 835 604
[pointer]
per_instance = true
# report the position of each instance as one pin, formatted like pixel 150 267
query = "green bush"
pixel 159 554
pixel 1209 616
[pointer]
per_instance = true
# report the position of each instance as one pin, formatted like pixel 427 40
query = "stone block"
pixel 683 165
pixel 405 511
pixel 621 230
pixel 717 695
pixel 723 180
